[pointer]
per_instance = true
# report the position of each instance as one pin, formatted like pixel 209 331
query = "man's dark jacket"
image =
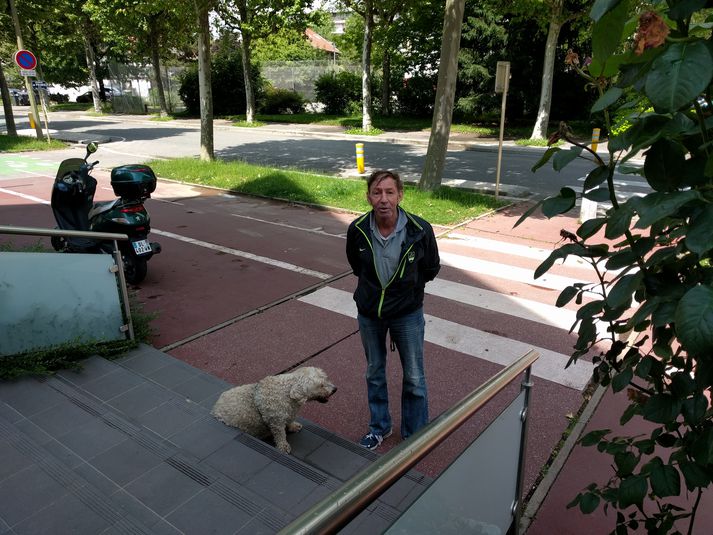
pixel 418 264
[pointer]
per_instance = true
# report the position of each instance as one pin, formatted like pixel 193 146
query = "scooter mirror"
pixel 92 147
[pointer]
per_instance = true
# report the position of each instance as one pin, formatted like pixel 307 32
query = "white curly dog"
pixel 271 405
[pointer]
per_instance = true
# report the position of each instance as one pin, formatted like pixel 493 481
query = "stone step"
pixel 129 446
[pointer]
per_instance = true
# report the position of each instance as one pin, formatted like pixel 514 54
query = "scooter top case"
pixel 133 182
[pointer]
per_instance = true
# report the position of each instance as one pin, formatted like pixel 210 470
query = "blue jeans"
pixel 407 334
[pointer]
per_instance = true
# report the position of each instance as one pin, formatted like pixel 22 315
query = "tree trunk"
pixel 445 96
pixel 7 105
pixel 89 53
pixel 366 66
pixel 543 112
pixel 156 64
pixel 386 84
pixel 249 93
pixel 204 87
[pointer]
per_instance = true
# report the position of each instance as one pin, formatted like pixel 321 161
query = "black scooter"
pixel 74 209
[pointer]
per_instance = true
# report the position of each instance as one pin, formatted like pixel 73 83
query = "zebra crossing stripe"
pixel 524 251
pixel 503 271
pixel 470 341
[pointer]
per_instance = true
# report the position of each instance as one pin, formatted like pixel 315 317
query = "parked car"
pixel 106 94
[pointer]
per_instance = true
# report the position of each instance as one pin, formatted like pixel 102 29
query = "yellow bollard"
pixel 32 119
pixel 595 139
pixel 360 157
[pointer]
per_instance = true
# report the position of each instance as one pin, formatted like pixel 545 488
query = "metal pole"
pixel 517 506
pixel 502 131
pixel 124 291
pixel 28 84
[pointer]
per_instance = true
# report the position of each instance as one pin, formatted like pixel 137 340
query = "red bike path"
pixel 227 291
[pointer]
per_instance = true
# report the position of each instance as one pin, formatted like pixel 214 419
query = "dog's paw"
pixel 284 448
pixel 294 427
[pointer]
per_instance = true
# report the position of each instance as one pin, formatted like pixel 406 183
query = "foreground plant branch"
pixel 652 258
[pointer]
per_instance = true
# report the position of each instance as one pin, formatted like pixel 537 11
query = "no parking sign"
pixel 27 62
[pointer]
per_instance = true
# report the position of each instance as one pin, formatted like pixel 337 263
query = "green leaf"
pixel 621 259
pixel 694 320
pixel 685 8
pixel 566 296
pixel 527 214
pixel 591 227
pixel 655 206
pixel 679 75
pixel 699 238
pixel 601 8
pixel 622 380
pixel 607 99
pixel 663 164
pixel 621 294
pixel 662 408
pixel 625 463
pixel 564 157
pixel 632 491
pixel 598 194
pixel 702 447
pixel 593 437
pixel 606 37
pixel 619 221
pixel 590 309
pixel 665 481
pixel 564 202
pixel 588 503
pixel 694 475
pixel 694 409
pixel 545 158
pixel 598 175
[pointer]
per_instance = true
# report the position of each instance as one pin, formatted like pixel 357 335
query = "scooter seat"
pixel 101 207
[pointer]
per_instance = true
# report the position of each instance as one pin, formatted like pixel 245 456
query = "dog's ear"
pixel 298 393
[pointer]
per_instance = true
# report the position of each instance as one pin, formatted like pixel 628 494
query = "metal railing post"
pixel 337 509
pixel 517 505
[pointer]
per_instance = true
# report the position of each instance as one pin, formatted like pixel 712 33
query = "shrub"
pixel 278 101
pixel 416 95
pixel 58 98
pixel 337 90
pixel 227 83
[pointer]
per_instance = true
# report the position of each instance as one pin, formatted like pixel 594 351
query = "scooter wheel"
pixel 58 243
pixel 134 269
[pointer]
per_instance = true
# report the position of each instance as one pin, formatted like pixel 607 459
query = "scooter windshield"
pixel 69 165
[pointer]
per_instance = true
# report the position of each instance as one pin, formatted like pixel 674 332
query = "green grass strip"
pixel 444 206
pixel 25 143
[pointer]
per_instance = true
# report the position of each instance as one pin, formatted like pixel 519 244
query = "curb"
pixel 538 497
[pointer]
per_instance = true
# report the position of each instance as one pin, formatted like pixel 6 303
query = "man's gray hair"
pixel 378 176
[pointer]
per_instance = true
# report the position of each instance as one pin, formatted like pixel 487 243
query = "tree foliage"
pixel 652 255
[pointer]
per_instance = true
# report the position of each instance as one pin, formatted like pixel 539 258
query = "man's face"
pixel 384 196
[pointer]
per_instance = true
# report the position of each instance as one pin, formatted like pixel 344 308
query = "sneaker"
pixel 371 441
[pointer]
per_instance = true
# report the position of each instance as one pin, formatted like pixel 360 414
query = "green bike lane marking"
pixel 14 164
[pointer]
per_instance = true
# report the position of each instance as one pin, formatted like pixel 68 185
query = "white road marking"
pixel 276 223
pixel 23 196
pixel 503 271
pixel 243 254
pixel 519 307
pixel 524 251
pixel 470 341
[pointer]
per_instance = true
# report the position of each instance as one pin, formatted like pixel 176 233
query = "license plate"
pixel 141 247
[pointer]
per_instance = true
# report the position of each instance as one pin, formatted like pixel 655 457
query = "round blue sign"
pixel 25 59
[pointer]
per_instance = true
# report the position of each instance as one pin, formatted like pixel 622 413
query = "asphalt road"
pixel 138 141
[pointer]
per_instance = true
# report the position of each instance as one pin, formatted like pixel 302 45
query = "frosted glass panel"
pixel 474 494
pixel 53 298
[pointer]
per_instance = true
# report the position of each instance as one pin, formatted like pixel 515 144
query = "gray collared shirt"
pixel 388 250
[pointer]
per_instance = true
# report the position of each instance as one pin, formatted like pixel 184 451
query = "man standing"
pixel 394 254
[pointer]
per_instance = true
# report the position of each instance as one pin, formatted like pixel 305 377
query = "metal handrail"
pixel 337 509
pixel 114 237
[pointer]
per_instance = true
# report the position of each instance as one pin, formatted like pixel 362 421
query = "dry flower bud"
pixel 652 32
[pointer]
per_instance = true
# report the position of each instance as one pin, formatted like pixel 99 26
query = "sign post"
pixel 27 62
pixel 502 81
